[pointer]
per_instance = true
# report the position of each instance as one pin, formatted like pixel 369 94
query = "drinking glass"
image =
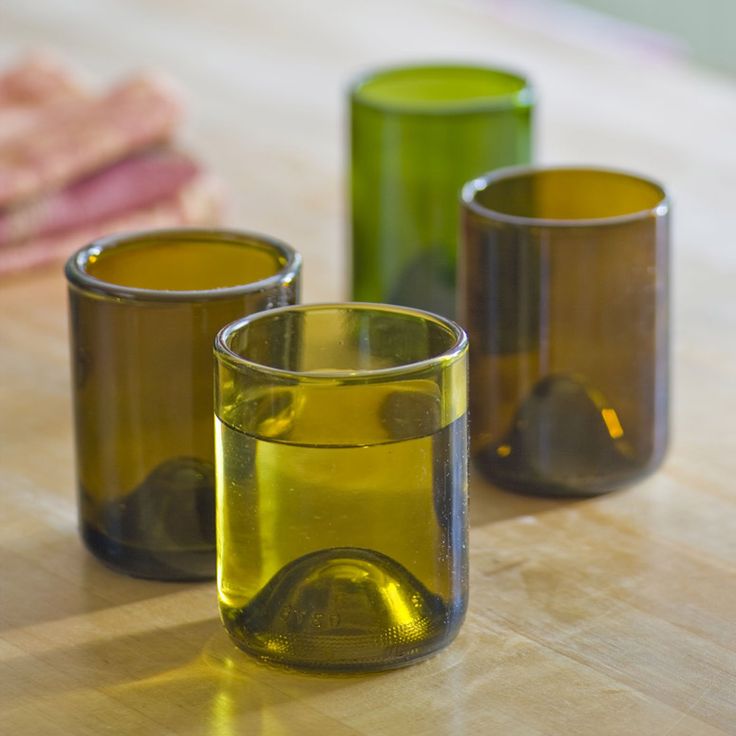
pixel 144 311
pixel 341 485
pixel 564 278
pixel 418 134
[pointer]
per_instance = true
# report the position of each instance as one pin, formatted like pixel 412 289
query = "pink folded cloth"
pixel 75 166
pixel 38 79
pixel 198 203
pixel 32 87
pixel 127 185
pixel 70 141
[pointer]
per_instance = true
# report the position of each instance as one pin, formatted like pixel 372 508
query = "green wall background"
pixel 707 27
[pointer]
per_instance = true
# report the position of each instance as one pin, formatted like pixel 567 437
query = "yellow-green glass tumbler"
pixel 417 134
pixel 341 485
pixel 565 285
pixel 144 310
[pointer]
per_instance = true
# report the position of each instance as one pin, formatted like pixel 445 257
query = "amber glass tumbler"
pixel 342 485
pixel 145 308
pixel 418 134
pixel 564 280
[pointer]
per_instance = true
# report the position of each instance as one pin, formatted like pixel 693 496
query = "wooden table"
pixel 615 615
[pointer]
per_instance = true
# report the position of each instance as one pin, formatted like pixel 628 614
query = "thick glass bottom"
pixel 527 482
pixel 567 440
pixel 163 529
pixel 153 564
pixel 343 610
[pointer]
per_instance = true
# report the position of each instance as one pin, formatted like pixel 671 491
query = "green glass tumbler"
pixel 564 275
pixel 417 135
pixel 342 485
pixel 144 311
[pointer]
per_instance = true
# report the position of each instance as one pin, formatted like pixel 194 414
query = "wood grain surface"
pixel 615 615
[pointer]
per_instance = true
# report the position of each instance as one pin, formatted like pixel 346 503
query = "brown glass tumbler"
pixel 144 309
pixel 564 294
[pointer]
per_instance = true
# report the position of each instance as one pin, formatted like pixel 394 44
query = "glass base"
pixel 163 529
pixel 152 564
pixel 567 440
pixel 343 610
pixel 526 482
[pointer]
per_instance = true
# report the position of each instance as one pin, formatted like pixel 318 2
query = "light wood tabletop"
pixel 613 615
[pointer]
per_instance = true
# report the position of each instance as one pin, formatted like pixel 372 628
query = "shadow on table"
pixel 56 578
pixel 489 504
pixel 55 668
pixel 189 677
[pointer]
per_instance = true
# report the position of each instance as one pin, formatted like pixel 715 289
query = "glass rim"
pixel 459 346
pixel 521 98
pixel 78 276
pixel 479 184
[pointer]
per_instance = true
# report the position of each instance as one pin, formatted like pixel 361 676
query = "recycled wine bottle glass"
pixel 144 311
pixel 564 280
pixel 341 485
pixel 417 134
